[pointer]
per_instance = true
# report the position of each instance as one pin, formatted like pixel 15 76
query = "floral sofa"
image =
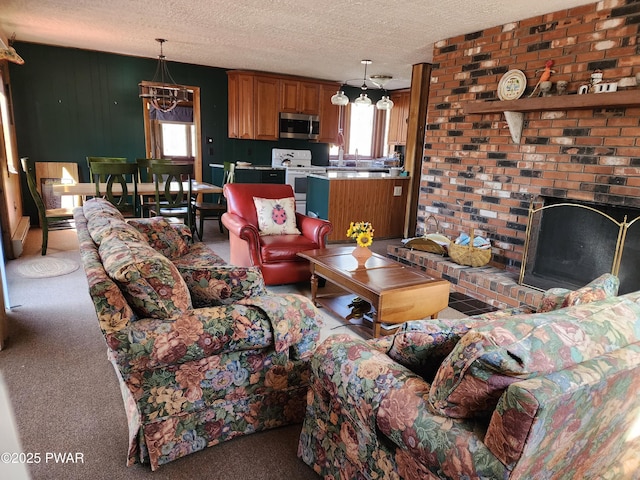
pixel 202 351
pixel 547 395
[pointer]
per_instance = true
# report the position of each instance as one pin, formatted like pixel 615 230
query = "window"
pixel 177 139
pixel 365 132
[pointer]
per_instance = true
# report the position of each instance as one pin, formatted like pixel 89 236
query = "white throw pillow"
pixel 276 216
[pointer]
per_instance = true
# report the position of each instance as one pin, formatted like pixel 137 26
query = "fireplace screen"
pixel 568 245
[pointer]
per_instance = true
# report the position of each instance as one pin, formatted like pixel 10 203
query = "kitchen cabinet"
pixel 253 106
pixel 254 175
pixel 299 96
pixel 329 115
pixel 399 119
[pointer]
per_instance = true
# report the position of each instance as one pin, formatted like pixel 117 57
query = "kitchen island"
pixel 343 197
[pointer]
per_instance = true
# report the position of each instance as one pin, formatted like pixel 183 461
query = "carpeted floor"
pixel 66 398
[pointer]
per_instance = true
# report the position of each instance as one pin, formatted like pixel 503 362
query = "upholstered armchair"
pixel 265 231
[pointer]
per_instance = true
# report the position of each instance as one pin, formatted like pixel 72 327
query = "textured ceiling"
pixel 321 39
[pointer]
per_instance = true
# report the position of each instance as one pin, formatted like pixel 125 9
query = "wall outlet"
pixel 397 191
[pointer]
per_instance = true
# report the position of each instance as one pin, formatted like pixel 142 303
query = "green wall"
pixel 69 104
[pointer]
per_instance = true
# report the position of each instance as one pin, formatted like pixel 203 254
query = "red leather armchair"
pixel 276 255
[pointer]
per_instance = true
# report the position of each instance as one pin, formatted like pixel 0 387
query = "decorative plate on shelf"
pixel 512 85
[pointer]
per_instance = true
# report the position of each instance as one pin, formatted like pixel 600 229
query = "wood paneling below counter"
pixel 345 200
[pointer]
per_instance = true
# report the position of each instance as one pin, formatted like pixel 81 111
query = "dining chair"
pixel 122 176
pixel 144 176
pixel 173 191
pixel 50 219
pixel 214 210
pixel 93 160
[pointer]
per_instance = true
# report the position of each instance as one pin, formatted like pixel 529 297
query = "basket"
pixel 426 244
pixel 468 254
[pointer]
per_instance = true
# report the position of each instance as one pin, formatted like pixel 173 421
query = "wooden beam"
pixel 420 82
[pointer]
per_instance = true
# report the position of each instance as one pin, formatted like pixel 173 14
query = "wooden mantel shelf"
pixel 514 109
pixel 626 98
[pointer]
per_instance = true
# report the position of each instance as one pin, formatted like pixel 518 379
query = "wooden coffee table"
pixel 396 292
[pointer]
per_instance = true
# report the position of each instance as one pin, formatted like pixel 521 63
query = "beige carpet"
pixel 66 398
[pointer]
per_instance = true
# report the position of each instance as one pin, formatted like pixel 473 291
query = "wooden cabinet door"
pixel 309 98
pixel 240 114
pixel 266 98
pixel 299 97
pixel 233 116
pixel 289 96
pixel 329 115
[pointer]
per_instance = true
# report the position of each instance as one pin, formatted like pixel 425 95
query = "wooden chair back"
pixel 121 185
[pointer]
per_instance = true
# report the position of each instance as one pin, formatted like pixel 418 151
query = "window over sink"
pixel 365 132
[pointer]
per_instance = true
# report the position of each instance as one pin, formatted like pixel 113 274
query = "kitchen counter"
pixel 250 167
pixel 357 175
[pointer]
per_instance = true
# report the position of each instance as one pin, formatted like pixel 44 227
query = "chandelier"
pixel 163 92
pixel 385 103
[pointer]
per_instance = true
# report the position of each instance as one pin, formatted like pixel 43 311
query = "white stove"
pixel 298 166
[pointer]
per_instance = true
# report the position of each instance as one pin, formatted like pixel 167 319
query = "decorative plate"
pixel 512 85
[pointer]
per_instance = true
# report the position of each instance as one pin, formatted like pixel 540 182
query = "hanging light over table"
pixel 163 92
pixel 385 103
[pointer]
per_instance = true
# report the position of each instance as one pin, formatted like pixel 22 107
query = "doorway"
pixel 175 134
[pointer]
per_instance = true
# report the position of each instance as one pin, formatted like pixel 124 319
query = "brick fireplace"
pixel 475 176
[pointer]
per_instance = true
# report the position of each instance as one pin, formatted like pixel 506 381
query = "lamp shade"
pixel 363 99
pixel 385 103
pixel 339 98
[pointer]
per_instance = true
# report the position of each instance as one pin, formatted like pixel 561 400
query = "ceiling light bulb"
pixel 363 99
pixel 385 103
pixel 339 98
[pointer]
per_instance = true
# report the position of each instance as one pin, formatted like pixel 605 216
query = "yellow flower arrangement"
pixel 361 232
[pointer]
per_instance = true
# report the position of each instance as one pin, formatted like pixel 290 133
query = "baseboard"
pixel 20 236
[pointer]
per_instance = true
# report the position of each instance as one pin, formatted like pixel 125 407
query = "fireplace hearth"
pixel 570 244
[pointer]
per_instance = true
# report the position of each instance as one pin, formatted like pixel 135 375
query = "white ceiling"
pixel 323 39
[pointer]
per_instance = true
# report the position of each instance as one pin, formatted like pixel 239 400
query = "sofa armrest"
pixel 314 229
pixel 589 409
pixel 244 230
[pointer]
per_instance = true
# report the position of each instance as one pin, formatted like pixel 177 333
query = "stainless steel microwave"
pixel 298 125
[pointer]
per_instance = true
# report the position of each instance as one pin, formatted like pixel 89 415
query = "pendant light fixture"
pixel 340 98
pixel 163 92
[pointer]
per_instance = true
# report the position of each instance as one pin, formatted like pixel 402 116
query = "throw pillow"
pixel 221 284
pixel 162 236
pixel 604 286
pixel 149 281
pixel 276 216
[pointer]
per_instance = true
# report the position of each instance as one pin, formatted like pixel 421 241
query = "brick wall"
pixel 474 176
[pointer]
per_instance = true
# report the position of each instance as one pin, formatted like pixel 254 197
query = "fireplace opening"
pixel 570 244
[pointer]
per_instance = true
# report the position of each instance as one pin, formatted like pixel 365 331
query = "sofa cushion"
pixel 283 248
pixel 489 358
pixel 221 284
pixel 101 226
pixel 162 236
pixel 151 284
pixel 276 216
pixel 604 286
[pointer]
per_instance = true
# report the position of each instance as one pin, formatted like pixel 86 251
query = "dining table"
pixel 83 189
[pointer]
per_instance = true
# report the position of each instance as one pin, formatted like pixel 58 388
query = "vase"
pixel 361 254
